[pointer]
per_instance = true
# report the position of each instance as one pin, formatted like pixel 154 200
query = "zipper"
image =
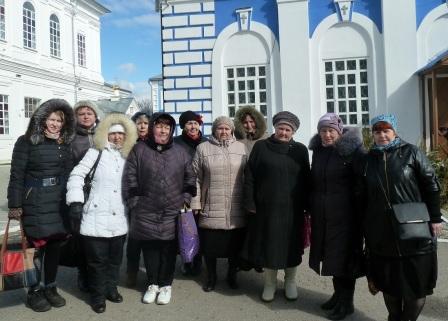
pixel 28 193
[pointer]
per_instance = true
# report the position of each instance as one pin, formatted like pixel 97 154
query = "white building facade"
pixel 48 49
pixel 358 58
pixel 156 88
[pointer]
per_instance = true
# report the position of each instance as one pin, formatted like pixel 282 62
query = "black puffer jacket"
pixel 408 175
pixel 157 180
pixel 34 158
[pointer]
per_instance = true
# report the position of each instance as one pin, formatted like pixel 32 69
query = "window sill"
pixel 30 49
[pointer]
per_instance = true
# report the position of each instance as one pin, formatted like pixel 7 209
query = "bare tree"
pixel 144 105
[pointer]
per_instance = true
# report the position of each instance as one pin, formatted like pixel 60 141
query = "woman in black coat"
pixel 41 163
pixel 276 194
pixel 336 231
pixel 396 172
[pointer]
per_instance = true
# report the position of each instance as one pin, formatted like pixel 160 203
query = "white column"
pixel 295 69
pixel 400 55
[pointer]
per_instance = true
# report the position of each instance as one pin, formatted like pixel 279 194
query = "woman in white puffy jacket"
pixel 101 219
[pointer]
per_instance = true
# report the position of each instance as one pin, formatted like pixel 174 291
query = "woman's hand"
pixel 436 229
pixel 15 213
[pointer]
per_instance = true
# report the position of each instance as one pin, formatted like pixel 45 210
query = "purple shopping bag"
pixel 187 235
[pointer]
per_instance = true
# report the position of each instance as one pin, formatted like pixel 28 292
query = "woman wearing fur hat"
pixel 250 126
pixel 404 269
pixel 191 137
pixel 157 183
pixel 336 244
pixel 276 195
pixel 219 165
pixel 41 163
pixel 103 225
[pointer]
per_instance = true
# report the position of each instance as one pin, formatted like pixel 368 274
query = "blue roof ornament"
pixel 344 8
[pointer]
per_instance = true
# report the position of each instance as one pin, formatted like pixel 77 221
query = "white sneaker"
pixel 164 295
pixel 150 294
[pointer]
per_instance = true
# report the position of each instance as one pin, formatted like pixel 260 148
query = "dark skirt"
pixel 410 277
pixel 221 243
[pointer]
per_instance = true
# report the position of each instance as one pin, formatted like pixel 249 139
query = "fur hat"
pixel 188 115
pixel 258 117
pixel 36 127
pixel 86 103
pixel 287 118
pixel 222 120
pixel 331 120
pixel 101 134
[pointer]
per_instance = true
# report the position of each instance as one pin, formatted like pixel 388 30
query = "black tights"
pixel 210 263
pixel 47 259
pixel 403 310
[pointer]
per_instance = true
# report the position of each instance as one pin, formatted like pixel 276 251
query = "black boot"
pixel 231 274
pixel 211 275
pixel 343 307
pixel 53 297
pixel 37 301
pixel 331 303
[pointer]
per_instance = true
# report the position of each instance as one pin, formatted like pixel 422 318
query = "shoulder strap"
pixel 95 165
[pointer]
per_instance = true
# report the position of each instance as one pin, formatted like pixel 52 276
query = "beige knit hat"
pixel 223 120
pixel 86 103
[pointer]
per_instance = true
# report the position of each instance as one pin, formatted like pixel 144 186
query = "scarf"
pixel 391 145
pixel 192 141
pixel 57 137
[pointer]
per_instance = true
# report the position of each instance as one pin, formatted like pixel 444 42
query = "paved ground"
pixel 191 303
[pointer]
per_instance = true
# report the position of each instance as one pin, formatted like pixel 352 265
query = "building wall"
pixel 296 39
pixel 35 73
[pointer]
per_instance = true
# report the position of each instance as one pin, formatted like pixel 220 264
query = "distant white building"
pixel 156 87
pixel 48 49
pixel 358 58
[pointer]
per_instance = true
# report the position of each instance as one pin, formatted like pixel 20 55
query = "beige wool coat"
pixel 220 176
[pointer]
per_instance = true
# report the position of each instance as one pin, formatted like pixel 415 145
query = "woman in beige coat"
pixel 219 165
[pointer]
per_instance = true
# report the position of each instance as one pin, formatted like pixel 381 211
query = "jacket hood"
pixel 140 113
pixel 241 113
pixel 155 117
pixel 100 138
pixel 36 127
pixel 350 141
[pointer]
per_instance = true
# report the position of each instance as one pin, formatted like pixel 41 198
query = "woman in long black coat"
pixel 276 194
pixel 41 163
pixel 336 231
pixel 397 172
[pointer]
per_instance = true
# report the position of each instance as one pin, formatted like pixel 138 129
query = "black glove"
pixel 75 215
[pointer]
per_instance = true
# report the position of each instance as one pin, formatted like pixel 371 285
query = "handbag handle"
pixel 6 237
pixel 384 191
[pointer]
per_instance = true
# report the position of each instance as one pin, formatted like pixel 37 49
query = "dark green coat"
pixel 276 186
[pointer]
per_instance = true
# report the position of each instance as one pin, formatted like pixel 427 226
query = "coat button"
pixel 115 191
pixel 95 205
pixel 114 213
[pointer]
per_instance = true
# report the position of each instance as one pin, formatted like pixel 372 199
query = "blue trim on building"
pixel 423 7
pixel 263 11
pixel 321 9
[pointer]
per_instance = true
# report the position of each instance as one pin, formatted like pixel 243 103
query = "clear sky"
pixel 130 44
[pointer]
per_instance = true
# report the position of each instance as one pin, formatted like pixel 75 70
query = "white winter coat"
pixel 104 213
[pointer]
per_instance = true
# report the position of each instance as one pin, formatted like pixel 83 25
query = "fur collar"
pixel 241 113
pixel 36 127
pixel 100 139
pixel 350 141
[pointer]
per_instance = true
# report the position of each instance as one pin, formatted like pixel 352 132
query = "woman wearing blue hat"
pixel 401 221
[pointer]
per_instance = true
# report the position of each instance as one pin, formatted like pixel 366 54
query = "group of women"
pixel 251 194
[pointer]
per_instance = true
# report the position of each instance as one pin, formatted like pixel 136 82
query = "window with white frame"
pixel 55 36
pixel 4 116
pixel 246 85
pixel 347 90
pixel 2 20
pixel 30 104
pixel 29 26
pixel 81 50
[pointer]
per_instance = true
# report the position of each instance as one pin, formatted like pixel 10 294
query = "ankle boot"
pixel 270 285
pixel 37 301
pixel 344 306
pixel 331 303
pixel 53 297
pixel 290 283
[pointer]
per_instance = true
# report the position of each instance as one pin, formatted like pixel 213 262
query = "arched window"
pixel 2 20
pixel 29 26
pixel 55 36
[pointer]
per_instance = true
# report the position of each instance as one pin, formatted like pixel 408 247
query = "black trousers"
pixel 160 261
pixel 46 261
pixel 104 256
pixel 133 249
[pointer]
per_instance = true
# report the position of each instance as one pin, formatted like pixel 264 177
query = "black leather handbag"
pixel 89 178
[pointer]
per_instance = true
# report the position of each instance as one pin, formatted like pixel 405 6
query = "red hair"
pixel 382 125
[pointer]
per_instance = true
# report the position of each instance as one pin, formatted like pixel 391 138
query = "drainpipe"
pixel 74 4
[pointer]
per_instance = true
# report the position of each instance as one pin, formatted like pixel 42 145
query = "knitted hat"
pixel 385 118
pixel 331 120
pixel 287 118
pixel 116 128
pixel 222 120
pixel 188 115
pixel 86 103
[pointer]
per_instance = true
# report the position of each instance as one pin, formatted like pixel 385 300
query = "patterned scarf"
pixel 391 145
